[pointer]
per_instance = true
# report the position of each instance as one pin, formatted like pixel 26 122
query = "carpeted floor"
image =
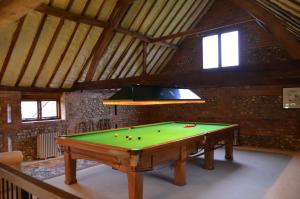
pixel 50 168
pixel 252 175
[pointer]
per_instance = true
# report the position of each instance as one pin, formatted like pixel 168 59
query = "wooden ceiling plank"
pixel 125 52
pixel 121 41
pixel 11 47
pixel 283 36
pixel 145 54
pixel 74 59
pixel 190 14
pixel 101 45
pixel 159 68
pixel 62 56
pixel 52 42
pixel 157 29
pixel 13 10
pixel 186 17
pixel 167 26
pixel 208 5
pixel 201 30
pixel 136 49
pixel 77 53
pixel 50 46
pixel 31 50
pixel 61 13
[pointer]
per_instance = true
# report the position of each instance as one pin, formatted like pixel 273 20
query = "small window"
pixel 221 50
pixel 34 110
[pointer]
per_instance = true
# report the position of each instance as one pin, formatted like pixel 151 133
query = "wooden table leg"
pixel 208 156
pixel 70 168
pixel 135 185
pixel 229 149
pixel 180 174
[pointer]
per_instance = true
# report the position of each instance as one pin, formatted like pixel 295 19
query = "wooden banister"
pixel 13 181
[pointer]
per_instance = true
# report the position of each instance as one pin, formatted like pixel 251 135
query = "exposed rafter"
pixel 284 37
pixel 12 10
pixel 11 47
pixel 201 30
pixel 61 13
pixel 107 34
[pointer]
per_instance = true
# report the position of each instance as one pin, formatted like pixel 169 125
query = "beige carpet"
pixel 252 175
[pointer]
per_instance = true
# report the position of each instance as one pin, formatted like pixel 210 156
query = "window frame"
pixel 219 33
pixel 39 100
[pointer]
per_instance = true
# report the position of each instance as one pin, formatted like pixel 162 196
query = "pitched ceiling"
pixel 50 48
pixel 288 12
pixel 57 44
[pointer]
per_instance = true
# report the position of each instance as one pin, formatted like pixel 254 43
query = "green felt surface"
pixel 149 134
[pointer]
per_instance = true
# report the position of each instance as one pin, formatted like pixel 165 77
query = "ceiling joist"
pixel 107 34
pixel 61 13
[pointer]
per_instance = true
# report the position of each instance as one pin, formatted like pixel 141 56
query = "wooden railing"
pixel 17 185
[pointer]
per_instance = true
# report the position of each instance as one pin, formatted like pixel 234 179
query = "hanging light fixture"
pixel 153 95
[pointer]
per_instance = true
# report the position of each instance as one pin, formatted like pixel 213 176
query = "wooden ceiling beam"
pixel 34 89
pixel 107 34
pixel 283 36
pixel 11 47
pixel 201 30
pixel 13 10
pixel 62 56
pixel 120 42
pixel 61 13
pixel 261 74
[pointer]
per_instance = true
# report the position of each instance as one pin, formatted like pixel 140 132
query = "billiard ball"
pixel 158 130
pixel 139 138
pixel 116 135
pixel 127 136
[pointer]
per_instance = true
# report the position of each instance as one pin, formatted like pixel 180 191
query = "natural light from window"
pixel 29 110
pixel 210 52
pixel 49 109
pixel 230 49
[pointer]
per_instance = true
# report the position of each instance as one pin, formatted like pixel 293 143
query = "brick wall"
pixel 84 112
pixel 258 109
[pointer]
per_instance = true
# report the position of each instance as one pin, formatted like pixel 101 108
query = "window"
pixel 221 50
pixel 34 110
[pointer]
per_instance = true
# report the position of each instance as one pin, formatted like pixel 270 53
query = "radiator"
pixel 46 146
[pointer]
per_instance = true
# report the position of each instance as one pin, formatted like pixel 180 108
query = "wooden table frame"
pixel 135 162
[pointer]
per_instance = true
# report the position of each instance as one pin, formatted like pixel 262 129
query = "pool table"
pixel 135 150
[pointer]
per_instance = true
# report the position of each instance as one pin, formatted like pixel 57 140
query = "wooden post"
pixel 180 174
pixel 180 165
pixel 70 167
pixel 135 185
pixel 229 148
pixel 209 155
